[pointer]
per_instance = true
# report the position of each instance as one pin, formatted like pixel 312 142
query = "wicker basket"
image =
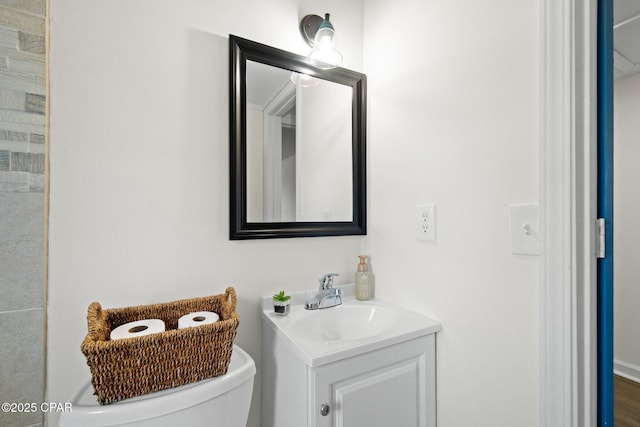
pixel 131 367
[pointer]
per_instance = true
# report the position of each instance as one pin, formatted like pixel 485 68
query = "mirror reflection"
pixel 299 147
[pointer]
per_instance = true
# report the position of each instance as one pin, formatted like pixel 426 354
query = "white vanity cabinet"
pixel 393 386
pixel 311 378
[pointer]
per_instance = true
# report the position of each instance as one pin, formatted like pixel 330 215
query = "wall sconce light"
pixel 321 36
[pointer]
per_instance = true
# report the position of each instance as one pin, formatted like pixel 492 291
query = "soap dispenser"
pixel 364 280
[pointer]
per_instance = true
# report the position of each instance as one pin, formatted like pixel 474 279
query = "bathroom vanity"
pixel 359 364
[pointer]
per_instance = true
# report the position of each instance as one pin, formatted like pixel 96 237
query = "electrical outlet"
pixel 426 223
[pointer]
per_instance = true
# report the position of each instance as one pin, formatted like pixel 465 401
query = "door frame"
pixel 568 291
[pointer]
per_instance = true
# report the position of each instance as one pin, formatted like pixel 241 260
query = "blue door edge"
pixel 605 210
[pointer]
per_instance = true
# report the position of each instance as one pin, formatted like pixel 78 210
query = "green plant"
pixel 281 297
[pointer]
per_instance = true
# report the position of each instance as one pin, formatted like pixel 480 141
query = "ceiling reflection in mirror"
pixel 299 147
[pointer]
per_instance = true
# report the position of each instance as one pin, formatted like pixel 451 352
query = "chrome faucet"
pixel 327 295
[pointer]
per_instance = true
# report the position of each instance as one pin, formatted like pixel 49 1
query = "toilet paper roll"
pixel 137 329
pixel 197 318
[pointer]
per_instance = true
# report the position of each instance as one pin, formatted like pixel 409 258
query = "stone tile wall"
pixel 22 185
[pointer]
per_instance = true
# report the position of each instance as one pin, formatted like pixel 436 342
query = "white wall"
pixel 324 164
pixel 255 163
pixel 453 120
pixel 626 233
pixel 139 176
pixel 139 165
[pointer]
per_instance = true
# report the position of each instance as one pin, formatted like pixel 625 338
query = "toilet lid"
pixel 87 410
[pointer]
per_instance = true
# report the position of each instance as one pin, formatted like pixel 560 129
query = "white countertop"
pixel 317 350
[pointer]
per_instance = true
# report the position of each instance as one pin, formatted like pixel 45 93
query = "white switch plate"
pixel 426 223
pixel 524 229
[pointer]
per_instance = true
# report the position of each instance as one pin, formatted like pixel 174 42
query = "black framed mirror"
pixel 298 146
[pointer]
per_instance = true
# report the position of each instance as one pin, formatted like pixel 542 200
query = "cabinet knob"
pixel 325 408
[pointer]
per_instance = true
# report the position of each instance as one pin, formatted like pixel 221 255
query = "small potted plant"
pixel 281 303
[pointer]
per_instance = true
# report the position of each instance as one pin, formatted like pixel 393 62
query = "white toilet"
pixel 216 402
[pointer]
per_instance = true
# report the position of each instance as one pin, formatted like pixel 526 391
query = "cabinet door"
pixel 389 387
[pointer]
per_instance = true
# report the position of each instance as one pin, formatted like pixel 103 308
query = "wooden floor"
pixel 627 403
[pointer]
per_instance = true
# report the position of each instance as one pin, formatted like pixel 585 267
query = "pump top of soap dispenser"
pixel 362 265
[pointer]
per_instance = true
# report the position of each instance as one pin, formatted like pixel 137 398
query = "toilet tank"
pixel 222 401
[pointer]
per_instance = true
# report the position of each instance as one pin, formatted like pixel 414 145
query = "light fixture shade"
pixel 304 80
pixel 325 54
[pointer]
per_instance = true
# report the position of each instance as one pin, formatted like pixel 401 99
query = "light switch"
pixel 524 229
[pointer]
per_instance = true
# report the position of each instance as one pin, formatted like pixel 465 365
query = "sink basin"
pixel 355 327
pixel 344 322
